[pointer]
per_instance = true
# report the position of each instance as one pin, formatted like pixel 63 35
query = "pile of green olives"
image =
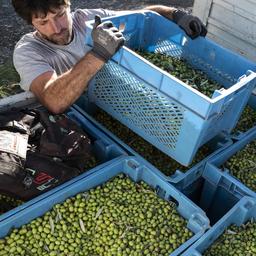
pixel 120 217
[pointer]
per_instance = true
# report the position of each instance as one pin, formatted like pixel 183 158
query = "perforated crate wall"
pixel 159 107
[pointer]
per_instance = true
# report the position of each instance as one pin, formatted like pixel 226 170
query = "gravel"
pixel 12 27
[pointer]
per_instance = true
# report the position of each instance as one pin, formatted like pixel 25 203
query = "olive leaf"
pixel 99 212
pixel 51 224
pixel 81 223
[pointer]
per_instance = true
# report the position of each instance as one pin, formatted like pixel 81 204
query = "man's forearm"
pixel 162 10
pixel 64 90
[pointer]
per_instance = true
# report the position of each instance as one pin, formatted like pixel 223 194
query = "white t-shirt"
pixel 34 56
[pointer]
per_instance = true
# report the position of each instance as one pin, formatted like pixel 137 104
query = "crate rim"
pixel 198 215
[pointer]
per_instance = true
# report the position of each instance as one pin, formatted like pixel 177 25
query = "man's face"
pixel 55 26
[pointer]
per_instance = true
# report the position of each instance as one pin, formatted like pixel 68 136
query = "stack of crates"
pixel 177 119
pixel 223 198
pixel 237 205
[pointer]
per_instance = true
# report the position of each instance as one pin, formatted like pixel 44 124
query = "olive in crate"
pixel 119 217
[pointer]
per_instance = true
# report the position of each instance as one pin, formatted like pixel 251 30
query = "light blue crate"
pixel 216 145
pixel 104 149
pixel 131 166
pixel 252 100
pixel 240 142
pixel 243 211
pixel 169 114
pixel 213 191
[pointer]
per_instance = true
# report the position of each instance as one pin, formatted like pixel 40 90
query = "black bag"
pixel 39 151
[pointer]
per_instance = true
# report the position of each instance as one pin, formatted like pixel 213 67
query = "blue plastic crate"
pixel 171 115
pixel 252 100
pixel 240 142
pixel 197 221
pixel 213 191
pixel 243 211
pixel 104 149
pixel 216 145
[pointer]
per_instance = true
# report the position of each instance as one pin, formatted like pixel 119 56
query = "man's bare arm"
pixel 59 92
pixel 162 10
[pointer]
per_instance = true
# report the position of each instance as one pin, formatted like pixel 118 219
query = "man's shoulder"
pixel 88 14
pixel 28 40
pixel 81 16
pixel 29 46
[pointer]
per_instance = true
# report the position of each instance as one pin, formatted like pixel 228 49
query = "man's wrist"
pixel 99 53
pixel 177 15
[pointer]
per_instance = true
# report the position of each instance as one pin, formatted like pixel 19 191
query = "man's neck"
pixel 39 35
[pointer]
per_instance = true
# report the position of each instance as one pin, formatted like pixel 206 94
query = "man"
pixel 53 61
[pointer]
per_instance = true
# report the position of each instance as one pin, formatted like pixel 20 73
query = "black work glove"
pixel 107 39
pixel 192 25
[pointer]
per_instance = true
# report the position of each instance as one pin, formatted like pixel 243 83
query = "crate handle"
pixel 198 220
pixel 121 27
pixel 237 88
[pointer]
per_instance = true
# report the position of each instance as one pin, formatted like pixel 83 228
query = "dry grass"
pixel 9 80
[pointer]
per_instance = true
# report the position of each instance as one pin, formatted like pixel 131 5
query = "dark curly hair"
pixel 26 8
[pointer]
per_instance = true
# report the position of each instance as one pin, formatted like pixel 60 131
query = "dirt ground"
pixel 12 27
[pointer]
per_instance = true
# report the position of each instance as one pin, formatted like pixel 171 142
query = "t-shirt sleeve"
pixel 29 64
pixel 89 14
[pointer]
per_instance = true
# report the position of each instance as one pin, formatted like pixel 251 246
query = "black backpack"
pixel 39 151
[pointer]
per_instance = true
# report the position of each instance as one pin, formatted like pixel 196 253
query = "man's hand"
pixel 107 39
pixel 192 25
